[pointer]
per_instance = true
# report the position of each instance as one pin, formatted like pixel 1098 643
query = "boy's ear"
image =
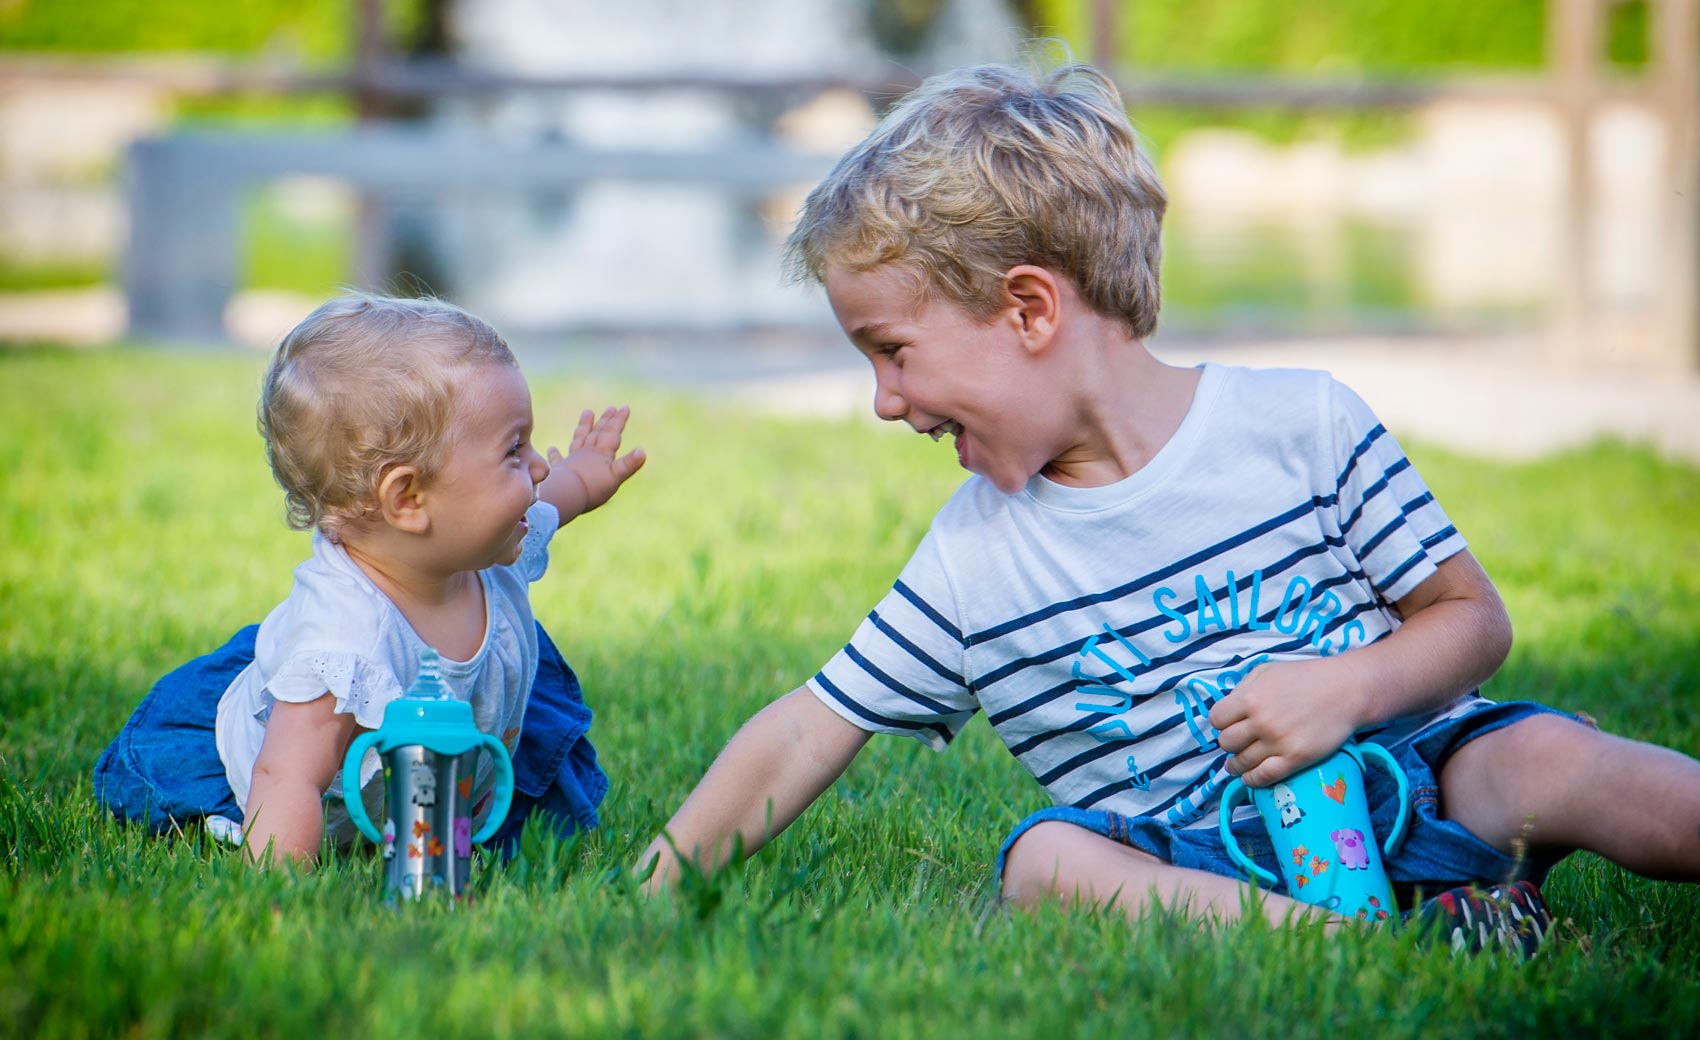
pixel 401 498
pixel 1034 303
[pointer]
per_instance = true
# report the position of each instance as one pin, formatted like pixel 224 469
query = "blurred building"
pixel 657 256
pixel 590 171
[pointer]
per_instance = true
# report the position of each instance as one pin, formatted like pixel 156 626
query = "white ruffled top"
pixel 337 635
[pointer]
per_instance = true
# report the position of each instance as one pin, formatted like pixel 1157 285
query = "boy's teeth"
pixel 936 432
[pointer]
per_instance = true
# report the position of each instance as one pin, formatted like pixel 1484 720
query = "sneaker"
pixel 1513 918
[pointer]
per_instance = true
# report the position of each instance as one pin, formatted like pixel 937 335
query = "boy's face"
pixel 942 371
pixel 477 502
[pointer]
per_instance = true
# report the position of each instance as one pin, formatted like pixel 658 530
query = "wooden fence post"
pixel 1675 49
pixel 371 104
pixel 1573 51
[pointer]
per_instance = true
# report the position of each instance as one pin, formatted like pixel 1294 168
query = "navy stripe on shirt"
pixel 1273 570
pixel 1166 686
pixel 875 717
pixel 1120 591
pixel 1110 790
pixel 914 651
pixel 1405 512
pixel 894 686
pixel 1357 453
pixel 1439 536
pixel 930 611
pixel 1375 489
pixel 1381 536
pixel 1399 572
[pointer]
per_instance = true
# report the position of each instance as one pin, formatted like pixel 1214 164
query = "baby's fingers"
pixel 581 432
pixel 627 464
pixel 612 424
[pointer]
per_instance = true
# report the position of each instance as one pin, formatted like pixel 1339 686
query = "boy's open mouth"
pixel 950 426
pixel 954 429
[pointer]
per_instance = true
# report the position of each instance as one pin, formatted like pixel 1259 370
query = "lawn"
pixel 138 527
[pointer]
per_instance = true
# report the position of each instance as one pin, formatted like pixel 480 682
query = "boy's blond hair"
pixel 363 384
pixel 983 169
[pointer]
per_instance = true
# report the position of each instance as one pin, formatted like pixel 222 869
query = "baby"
pixel 400 431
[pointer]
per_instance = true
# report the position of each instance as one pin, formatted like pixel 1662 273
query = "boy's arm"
pixel 303 748
pixel 593 468
pixel 773 769
pixel 1289 714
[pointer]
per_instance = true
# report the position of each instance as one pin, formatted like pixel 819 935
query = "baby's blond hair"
pixel 363 384
pixel 980 170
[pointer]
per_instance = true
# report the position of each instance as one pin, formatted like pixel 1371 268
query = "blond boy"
pixel 1157 577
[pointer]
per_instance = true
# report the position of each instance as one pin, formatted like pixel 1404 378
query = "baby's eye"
pixel 515 450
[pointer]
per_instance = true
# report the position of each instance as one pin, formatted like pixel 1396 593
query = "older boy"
pixel 1158 577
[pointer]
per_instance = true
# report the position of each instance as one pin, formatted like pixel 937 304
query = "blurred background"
pixel 1506 183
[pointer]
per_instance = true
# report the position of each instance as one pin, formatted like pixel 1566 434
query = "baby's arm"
pixel 303 747
pixel 593 468
pixel 773 769
pixel 1289 714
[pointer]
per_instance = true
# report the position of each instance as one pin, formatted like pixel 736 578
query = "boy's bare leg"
pixel 1056 860
pixel 1569 785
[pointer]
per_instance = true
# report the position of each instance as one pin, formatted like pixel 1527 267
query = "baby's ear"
pixel 401 499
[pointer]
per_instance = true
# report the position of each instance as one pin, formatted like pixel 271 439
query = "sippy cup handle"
pixel 1236 790
pixel 504 789
pixel 1397 835
pixel 351 784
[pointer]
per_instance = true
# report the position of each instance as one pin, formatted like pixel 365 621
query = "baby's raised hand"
pixel 593 468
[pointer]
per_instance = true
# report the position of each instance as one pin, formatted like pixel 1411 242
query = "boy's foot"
pixel 1500 917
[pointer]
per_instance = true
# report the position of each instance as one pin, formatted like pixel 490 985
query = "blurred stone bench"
pixel 183 193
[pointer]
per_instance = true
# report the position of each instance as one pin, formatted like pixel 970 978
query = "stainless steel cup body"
pixel 428 821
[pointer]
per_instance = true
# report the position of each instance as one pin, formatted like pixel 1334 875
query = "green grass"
pixel 138 526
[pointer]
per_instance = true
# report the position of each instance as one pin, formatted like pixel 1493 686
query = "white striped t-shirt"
pixel 1096 626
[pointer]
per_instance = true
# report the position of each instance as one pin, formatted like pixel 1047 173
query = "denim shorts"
pixel 1437 853
pixel 163 769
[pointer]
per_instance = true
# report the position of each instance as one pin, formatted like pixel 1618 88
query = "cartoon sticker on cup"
pixel 1319 822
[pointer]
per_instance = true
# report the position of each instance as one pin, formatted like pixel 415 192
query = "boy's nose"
pixel 888 403
pixel 539 467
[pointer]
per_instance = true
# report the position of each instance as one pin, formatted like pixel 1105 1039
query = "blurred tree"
pixel 1310 35
pixel 901 27
pixel 1333 38
pixel 1240 35
pixel 315 30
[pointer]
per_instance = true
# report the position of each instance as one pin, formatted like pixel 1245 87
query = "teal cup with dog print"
pixel 1318 820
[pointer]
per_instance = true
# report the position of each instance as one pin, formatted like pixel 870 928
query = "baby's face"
pixel 477 503
pixel 943 371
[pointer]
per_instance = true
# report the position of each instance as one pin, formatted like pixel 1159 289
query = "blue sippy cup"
pixel 429 745
pixel 1318 821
